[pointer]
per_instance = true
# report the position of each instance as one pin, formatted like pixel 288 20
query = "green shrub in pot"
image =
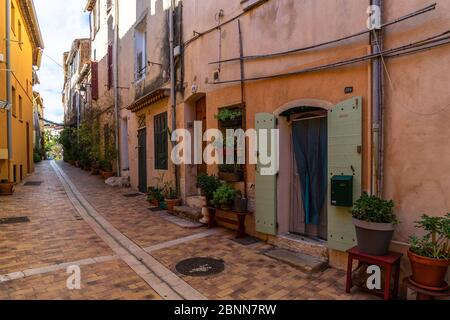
pixel 430 255
pixel 375 223
pixel 208 185
pixel 224 197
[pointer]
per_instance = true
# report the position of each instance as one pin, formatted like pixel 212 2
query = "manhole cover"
pixel 200 267
pixel 14 220
pixel 33 183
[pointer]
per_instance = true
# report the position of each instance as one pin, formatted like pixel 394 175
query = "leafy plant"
pixel 155 194
pixel 229 114
pixel 373 209
pixel 208 184
pixel 170 192
pixel 224 195
pixel 105 165
pixel 436 243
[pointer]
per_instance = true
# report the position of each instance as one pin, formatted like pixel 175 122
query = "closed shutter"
pixel 344 158
pixel 110 66
pixel 94 80
pixel 161 142
pixel 265 185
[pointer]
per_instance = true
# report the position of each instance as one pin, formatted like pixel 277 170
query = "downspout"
pixel 116 88
pixel 377 107
pixel 173 93
pixel 8 85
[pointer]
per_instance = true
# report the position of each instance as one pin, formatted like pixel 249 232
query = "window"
pixel 19 28
pixel 95 19
pixel 140 53
pixel 20 108
pixel 94 80
pixel 13 18
pixel 14 102
pixel 161 142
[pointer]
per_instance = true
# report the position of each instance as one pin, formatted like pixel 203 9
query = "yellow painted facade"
pixel 25 43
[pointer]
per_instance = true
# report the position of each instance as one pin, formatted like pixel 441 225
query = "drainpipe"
pixel 8 85
pixel 173 93
pixel 377 108
pixel 116 87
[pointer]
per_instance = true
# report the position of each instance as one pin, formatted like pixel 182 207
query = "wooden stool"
pixel 390 263
pixel 240 223
pixel 423 294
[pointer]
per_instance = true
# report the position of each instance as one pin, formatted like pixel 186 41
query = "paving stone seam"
pixel 167 284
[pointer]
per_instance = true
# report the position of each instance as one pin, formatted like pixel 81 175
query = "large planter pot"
pixel 107 174
pixel 240 205
pixel 172 203
pixel 231 123
pixel 429 273
pixel 374 238
pixel 6 189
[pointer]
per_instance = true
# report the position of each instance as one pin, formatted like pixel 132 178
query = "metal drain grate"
pixel 200 267
pixel 132 195
pixel 14 220
pixel 33 183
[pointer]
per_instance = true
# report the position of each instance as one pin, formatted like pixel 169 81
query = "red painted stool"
pixel 390 263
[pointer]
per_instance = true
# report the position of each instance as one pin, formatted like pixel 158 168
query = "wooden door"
pixel 28 148
pixel 200 115
pixel 142 159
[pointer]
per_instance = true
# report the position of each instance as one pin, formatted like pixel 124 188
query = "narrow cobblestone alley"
pixel 34 256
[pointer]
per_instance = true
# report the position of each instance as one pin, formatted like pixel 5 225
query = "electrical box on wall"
pixel 342 191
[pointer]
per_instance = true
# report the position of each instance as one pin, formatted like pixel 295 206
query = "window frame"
pixel 140 42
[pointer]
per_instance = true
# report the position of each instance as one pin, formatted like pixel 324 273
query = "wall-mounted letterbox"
pixel 342 191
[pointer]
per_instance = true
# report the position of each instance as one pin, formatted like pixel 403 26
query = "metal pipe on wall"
pixel 377 107
pixel 116 87
pixel 8 85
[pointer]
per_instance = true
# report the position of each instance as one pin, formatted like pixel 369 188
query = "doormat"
pixel 33 183
pixel 247 241
pixel 132 195
pixel 200 267
pixel 14 220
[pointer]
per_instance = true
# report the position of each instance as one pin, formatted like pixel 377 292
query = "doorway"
pixel 28 148
pixel 142 159
pixel 200 115
pixel 310 172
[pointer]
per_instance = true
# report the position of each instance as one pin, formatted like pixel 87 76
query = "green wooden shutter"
pixel 344 158
pixel 266 186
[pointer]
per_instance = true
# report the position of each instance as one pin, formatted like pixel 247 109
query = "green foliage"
pixel 224 195
pixel 155 194
pixel 53 148
pixel 208 184
pixel 37 156
pixel 436 243
pixel 170 192
pixel 373 209
pixel 68 140
pixel 228 114
pixel 105 165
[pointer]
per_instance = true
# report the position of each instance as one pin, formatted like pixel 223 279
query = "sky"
pixel 61 22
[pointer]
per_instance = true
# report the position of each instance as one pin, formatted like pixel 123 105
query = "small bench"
pixel 240 223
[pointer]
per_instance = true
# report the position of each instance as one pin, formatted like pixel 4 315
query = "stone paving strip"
pixel 167 284
pixel 53 268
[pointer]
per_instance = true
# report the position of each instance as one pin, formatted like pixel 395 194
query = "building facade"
pixel 17 77
pixel 311 69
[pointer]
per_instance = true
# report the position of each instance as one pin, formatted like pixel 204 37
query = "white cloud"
pixel 61 22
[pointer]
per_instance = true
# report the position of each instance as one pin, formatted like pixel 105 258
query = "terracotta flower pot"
pixel 107 175
pixel 6 189
pixel 427 272
pixel 172 203
pixel 374 238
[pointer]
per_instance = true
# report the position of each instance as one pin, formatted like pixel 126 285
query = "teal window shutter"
pixel 344 158
pixel 265 186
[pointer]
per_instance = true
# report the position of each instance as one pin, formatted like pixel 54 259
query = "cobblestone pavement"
pixel 34 256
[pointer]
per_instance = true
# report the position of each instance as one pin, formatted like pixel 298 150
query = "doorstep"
pixel 301 244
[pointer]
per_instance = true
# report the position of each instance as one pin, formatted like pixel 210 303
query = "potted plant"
pixel 106 169
pixel 171 197
pixel 155 196
pixel 230 117
pixel 375 224
pixel 231 173
pixel 6 188
pixel 430 255
pixel 240 203
pixel 224 196
pixel 208 185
